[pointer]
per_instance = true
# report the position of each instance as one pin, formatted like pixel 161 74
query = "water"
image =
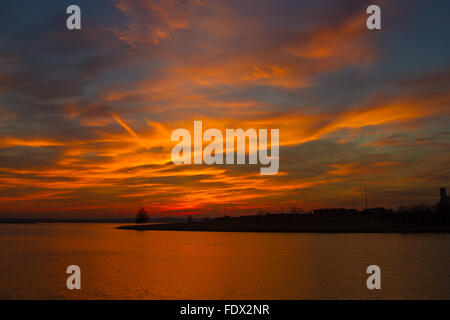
pixel 125 264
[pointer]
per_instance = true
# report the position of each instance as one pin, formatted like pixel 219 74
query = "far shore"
pixel 300 223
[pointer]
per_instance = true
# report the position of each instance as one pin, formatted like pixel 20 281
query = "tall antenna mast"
pixel 365 197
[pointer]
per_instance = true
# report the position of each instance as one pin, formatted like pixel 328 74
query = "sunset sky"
pixel 86 116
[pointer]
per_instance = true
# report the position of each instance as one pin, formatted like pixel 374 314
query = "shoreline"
pixel 135 228
pixel 308 224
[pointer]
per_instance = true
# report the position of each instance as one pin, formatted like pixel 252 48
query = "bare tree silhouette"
pixel 141 216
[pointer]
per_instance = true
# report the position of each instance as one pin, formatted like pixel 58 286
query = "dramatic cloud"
pixel 86 117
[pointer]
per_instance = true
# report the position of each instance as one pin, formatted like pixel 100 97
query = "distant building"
pixel 443 206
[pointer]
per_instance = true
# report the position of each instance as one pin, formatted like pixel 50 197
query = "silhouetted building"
pixel 444 196
pixel 443 206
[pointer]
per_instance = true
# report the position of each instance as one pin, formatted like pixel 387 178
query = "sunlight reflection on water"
pixel 125 264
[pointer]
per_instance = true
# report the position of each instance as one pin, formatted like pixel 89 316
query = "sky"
pixel 86 116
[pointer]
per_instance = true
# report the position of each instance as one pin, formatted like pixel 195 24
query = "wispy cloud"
pixel 85 122
pixel 151 21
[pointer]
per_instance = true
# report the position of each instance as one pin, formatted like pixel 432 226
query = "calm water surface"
pixel 125 264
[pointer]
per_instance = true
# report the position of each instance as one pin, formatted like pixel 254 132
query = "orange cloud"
pixel 12 142
pixel 230 72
